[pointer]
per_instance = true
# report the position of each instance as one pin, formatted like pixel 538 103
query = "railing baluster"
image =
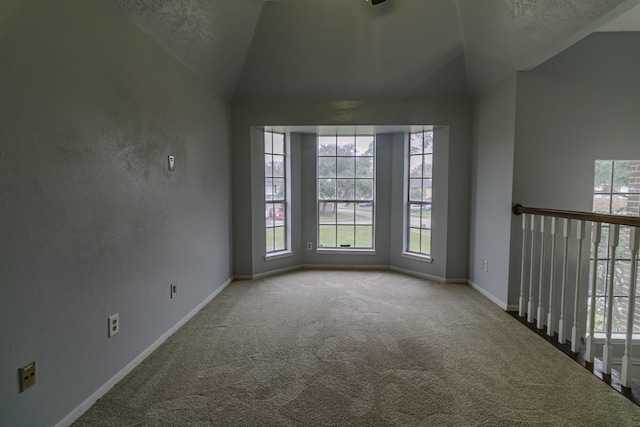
pixel 530 310
pixel 550 314
pixel 540 317
pixel 575 330
pixel 607 352
pixel 563 295
pixel 591 342
pixel 522 272
pixel 627 359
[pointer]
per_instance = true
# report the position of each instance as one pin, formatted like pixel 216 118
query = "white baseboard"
pixel 84 406
pixel 420 275
pixel 343 267
pixel 274 272
pixel 503 305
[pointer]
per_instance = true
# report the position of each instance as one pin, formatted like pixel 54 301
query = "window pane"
pixel 427 166
pixel 425 216
pixel 425 242
pixel 269 239
pixel 346 214
pixel 364 236
pixel 326 146
pixel 278 143
pixel 602 176
pixel 278 165
pixel 364 145
pixel 269 190
pixel 426 190
pixel 346 189
pixel 601 203
pixel 621 176
pixel 414 240
pixel 415 143
pixel 346 146
pixel 327 236
pixel 345 236
pixel 279 238
pixel 346 167
pixel 415 190
pixel 415 166
pixel 278 188
pixel 327 213
pixel 326 189
pixel 364 213
pixel 619 324
pixel 268 165
pixel 268 213
pixel 326 167
pixel 268 147
pixel 364 167
pixel 364 189
pixel 428 142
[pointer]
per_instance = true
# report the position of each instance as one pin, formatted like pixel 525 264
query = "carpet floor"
pixel 357 348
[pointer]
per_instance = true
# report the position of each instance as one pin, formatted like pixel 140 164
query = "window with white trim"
pixel 616 191
pixel 419 192
pixel 345 191
pixel 275 192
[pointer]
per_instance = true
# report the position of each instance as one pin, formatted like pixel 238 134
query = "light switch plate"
pixel 172 163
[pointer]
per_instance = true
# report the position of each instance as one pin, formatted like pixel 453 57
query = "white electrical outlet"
pixel 485 265
pixel 309 246
pixel 114 324
pixel 174 290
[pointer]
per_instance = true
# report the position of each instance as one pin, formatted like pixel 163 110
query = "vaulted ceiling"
pixel 351 50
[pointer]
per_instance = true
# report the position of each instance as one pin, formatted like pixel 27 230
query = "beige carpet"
pixel 337 348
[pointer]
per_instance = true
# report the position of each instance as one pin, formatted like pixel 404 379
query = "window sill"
pixel 277 255
pixel 417 257
pixel 338 251
pixel 616 338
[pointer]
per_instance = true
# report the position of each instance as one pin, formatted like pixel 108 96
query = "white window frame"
pixel 355 201
pixel 424 205
pixel 277 253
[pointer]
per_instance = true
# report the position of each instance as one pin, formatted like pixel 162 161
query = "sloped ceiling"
pixel 351 50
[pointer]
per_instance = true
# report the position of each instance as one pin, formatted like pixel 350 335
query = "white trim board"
pixel 503 305
pixel 84 406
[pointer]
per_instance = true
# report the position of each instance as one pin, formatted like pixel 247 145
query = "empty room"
pixel 319 212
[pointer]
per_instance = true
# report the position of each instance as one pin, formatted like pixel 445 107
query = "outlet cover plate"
pixel 174 290
pixel 27 376
pixel 114 324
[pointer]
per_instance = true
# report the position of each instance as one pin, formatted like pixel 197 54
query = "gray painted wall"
pixel 491 188
pixel 580 106
pixel 248 191
pixel 92 222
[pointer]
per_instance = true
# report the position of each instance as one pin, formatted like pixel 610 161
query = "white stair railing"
pixel 588 230
pixel 627 359
pixel 591 341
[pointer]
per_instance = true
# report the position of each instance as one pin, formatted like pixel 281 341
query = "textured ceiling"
pixel 348 49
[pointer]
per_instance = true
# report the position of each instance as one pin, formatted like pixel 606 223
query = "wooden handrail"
pixel 632 221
